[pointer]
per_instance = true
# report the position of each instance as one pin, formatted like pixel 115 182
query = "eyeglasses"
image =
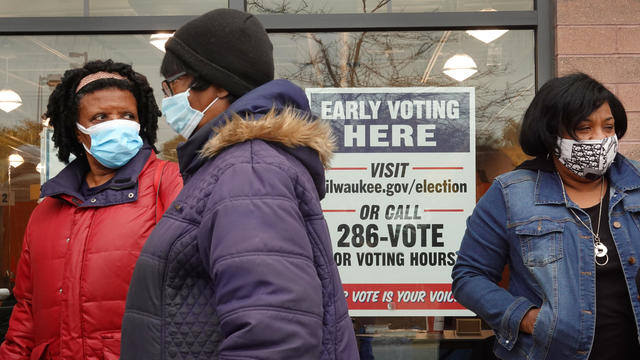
pixel 166 83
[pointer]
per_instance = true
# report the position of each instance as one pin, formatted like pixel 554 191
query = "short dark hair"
pixel 171 65
pixel 561 104
pixel 62 109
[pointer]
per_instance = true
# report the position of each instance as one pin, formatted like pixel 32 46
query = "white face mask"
pixel 587 158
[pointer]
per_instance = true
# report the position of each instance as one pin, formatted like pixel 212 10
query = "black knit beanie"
pixel 227 47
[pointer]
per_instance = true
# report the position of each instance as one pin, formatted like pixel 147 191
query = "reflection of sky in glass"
pixel 378 6
pixel 20 8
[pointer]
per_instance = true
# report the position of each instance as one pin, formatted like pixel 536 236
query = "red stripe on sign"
pixel 348 168
pixel 349 211
pixel 400 297
pixel 439 168
pixel 443 210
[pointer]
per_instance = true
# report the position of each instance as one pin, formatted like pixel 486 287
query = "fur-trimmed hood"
pixel 277 112
pixel 288 127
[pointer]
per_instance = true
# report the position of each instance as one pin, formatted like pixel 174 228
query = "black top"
pixel 616 334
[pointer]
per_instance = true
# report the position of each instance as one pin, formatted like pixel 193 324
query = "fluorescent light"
pixel 460 67
pixel 158 40
pixel 9 100
pixel 486 36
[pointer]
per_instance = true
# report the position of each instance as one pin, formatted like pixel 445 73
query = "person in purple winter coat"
pixel 241 264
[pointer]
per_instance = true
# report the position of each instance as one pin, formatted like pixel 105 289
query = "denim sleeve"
pixel 483 254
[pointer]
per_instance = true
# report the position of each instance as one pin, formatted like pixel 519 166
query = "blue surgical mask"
pixel 113 142
pixel 182 118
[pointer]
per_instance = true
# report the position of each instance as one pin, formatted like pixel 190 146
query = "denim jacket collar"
pixel 623 176
pixel 548 188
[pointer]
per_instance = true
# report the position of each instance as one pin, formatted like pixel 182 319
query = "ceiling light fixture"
pixel 486 36
pixel 15 160
pixel 9 99
pixel 158 40
pixel 460 67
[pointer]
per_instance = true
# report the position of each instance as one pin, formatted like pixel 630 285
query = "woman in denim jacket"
pixel 567 224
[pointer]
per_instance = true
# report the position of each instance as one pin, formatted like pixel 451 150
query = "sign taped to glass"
pixel 401 183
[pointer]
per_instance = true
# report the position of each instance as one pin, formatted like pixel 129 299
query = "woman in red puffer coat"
pixel 83 240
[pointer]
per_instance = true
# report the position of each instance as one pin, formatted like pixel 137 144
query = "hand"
pixel 529 319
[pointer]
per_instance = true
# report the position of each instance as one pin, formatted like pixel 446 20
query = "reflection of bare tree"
pixel 279 7
pixel 27 132
pixel 361 59
pixel 378 6
pixel 399 59
pixel 16 139
pixel 305 6
pixel 499 110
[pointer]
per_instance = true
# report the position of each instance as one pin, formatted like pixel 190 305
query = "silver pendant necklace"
pixel 599 249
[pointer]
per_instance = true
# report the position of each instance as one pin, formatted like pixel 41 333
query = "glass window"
pixel 504 82
pixel 498 65
pixel 382 6
pixel 35 65
pixel 36 8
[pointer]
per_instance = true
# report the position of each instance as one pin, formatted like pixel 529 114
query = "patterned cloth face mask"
pixel 587 158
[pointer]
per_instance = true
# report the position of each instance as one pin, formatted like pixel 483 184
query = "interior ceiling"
pixel 35 62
